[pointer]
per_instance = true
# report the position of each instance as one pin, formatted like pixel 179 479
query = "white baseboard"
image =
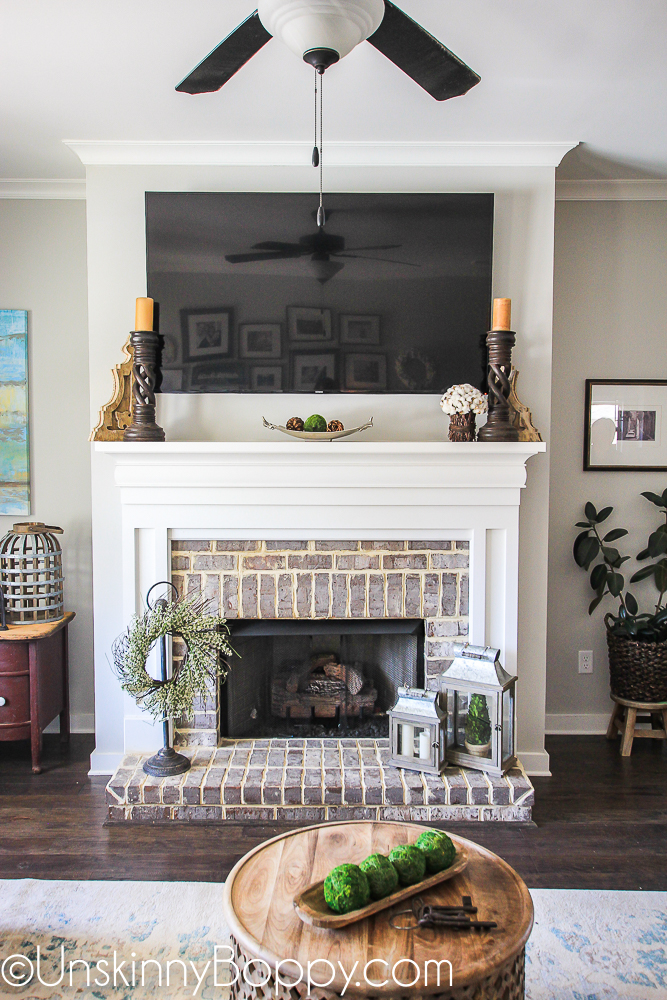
pixel 592 724
pixel 104 763
pixel 536 765
pixel 80 722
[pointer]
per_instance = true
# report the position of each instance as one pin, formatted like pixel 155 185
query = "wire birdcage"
pixel 31 572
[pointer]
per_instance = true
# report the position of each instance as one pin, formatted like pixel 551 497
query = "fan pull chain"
pixel 321 218
pixel 316 154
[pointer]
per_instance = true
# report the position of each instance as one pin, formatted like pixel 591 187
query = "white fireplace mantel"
pixel 290 489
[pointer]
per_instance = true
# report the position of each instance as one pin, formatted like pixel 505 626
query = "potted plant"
pixel 637 642
pixel 477 737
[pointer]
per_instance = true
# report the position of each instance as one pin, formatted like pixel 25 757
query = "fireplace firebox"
pixel 318 678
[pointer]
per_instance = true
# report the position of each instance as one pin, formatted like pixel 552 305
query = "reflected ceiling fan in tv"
pixel 324 31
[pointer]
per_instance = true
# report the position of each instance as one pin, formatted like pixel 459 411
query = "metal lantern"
pixel 31 573
pixel 416 735
pixel 480 710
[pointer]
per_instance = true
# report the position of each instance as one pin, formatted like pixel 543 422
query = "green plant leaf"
pixel 654 498
pixel 661 576
pixel 583 524
pixel 615 583
pixel 604 514
pixel 594 603
pixel 631 604
pixel 586 548
pixel 614 534
pixel 598 576
pixel 644 554
pixel 657 543
pixel 664 498
pixel 612 555
pixel 643 573
pixel 590 512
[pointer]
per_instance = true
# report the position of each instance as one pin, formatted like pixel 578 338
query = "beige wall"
pixel 43 253
pixel 610 321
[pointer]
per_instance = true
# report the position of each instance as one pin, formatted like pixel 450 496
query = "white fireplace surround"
pixel 290 490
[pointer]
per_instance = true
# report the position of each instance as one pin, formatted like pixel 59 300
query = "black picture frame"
pixel 221 317
pixel 646 424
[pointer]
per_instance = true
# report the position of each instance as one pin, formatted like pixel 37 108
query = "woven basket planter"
pixel 637 670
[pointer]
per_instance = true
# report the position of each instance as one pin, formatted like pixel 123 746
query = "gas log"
pixel 322 688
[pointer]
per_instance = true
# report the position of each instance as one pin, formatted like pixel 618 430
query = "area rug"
pixel 586 945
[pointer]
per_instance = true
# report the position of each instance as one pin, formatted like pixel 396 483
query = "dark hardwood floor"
pixel 600 823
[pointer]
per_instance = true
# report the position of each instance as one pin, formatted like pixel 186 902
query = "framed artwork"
pixel 266 378
pixel 366 371
pixel 625 425
pixel 308 324
pixel 313 372
pixel 207 333
pixel 259 340
pixel 364 330
pixel 14 444
pixel 220 376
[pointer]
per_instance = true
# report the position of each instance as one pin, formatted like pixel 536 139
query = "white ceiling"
pixel 552 70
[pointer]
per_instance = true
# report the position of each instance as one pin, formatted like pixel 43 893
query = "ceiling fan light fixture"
pixel 334 25
pixel 323 268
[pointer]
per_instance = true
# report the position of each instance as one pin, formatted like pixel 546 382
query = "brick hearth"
pixel 310 781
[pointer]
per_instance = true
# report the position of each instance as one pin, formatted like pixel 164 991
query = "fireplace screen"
pixel 319 678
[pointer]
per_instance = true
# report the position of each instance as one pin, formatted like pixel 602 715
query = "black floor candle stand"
pixel 167 761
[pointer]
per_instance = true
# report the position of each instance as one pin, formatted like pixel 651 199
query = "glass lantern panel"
pixel 450 732
pixel 473 724
pixel 508 724
pixel 415 741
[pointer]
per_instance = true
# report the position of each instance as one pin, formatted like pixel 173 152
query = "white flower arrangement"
pixel 463 399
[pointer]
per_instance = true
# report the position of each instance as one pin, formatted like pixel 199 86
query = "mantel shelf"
pixel 446 450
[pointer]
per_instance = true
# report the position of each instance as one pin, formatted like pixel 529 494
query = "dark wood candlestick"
pixel 144 372
pixel 498 426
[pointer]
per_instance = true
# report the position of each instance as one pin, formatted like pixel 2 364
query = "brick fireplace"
pixel 339 773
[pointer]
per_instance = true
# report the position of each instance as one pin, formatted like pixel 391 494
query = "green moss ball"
pixel 315 423
pixel 438 850
pixel 409 862
pixel 381 874
pixel 346 888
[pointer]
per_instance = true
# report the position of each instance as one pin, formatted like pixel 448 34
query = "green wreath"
pixel 205 637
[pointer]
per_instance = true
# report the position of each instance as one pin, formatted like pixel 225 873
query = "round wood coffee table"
pixel 266 931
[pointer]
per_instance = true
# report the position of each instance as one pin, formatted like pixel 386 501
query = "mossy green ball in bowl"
pixel 381 874
pixel 409 862
pixel 315 423
pixel 346 888
pixel 438 850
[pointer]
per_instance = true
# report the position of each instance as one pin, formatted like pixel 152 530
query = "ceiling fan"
pixel 324 31
pixel 325 250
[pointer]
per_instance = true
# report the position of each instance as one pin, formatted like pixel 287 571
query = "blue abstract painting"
pixel 14 446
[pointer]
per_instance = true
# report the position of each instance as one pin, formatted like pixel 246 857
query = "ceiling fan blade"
pixel 246 258
pixel 272 245
pixel 230 55
pixel 387 246
pixel 430 64
pixel 384 260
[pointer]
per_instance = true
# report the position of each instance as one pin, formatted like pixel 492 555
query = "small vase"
pixel 478 749
pixel 462 427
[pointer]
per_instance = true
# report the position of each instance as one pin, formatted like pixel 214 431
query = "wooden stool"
pixel 259 906
pixel 624 722
pixel 34 682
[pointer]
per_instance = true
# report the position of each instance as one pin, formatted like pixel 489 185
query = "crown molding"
pixel 611 190
pixel 48 188
pixel 338 154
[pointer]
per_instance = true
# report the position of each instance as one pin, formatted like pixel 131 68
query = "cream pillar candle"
pixel 425 744
pixel 407 740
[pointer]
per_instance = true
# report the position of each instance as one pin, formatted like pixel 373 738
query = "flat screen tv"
pixel 392 296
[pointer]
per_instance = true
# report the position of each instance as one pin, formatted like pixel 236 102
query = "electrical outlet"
pixel 585 661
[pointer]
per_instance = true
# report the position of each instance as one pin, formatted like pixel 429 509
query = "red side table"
pixel 34 682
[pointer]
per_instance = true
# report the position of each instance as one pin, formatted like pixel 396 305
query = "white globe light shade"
pixel 304 25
